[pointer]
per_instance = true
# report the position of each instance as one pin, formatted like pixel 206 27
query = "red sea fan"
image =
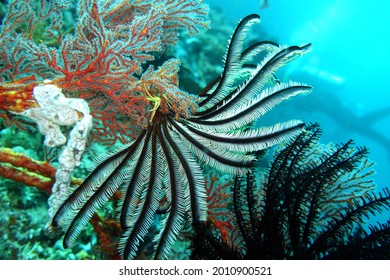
pixel 100 58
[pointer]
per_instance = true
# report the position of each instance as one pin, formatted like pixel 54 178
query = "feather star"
pixel 163 162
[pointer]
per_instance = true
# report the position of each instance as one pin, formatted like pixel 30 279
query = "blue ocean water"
pixel 348 66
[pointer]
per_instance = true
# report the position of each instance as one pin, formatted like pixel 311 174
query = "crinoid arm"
pixel 165 160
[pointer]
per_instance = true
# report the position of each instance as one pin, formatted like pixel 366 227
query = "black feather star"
pixel 164 160
pixel 313 203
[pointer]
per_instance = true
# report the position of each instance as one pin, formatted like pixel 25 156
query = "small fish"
pixel 263 4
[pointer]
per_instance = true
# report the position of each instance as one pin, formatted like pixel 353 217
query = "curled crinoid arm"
pixel 184 132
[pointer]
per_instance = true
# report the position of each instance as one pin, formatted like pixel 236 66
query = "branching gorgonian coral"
pixel 97 52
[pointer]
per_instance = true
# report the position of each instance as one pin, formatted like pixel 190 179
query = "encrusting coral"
pixel 56 110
